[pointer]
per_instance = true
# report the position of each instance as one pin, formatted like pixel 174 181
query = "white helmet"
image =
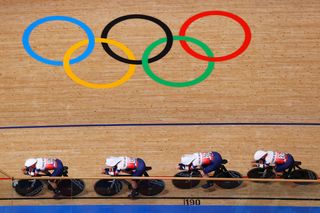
pixel 187 159
pixel 29 162
pixel 259 154
pixel 112 161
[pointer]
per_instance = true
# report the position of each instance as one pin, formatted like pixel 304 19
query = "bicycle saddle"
pixel 297 163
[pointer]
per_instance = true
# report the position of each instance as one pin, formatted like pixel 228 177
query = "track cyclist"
pixel 205 162
pixel 279 160
pixel 133 166
pixel 42 167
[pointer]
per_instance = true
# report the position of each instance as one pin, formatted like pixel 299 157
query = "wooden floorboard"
pixel 276 80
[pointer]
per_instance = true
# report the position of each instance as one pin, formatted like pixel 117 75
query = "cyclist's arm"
pixel 261 164
pixel 112 171
pixel 127 171
pixel 189 167
pixel 43 173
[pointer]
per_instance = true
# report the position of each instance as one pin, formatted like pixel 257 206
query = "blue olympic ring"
pixel 85 54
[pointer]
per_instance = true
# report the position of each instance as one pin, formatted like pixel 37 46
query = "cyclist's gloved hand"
pixel 31 173
pixel 106 171
pixel 191 167
pixel 113 172
pixel 261 165
pixel 181 166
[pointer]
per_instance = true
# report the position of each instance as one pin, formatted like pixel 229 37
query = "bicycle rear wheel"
pixel 304 174
pixel 151 187
pixel 71 187
pixel 186 184
pixel 108 187
pixel 228 184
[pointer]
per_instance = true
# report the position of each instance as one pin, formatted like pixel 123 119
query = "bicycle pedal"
pixel 133 195
pixel 207 185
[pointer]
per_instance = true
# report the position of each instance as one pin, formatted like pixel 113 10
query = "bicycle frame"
pixel 125 181
pixel 221 169
pixel 286 172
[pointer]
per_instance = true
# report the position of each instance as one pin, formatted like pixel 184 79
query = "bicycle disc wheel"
pixel 107 187
pixel 28 187
pixel 303 174
pixel 228 184
pixel 261 173
pixel 151 187
pixel 71 187
pixel 186 184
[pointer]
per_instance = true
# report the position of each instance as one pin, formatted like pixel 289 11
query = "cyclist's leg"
pixel 291 160
pixel 140 170
pixel 287 165
pixel 212 167
pixel 58 171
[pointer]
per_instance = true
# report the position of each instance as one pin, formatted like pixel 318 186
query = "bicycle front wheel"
pixel 186 184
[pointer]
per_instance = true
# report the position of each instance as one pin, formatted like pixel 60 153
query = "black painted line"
pixel 161 124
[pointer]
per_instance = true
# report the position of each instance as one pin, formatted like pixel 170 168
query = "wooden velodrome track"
pixel 275 80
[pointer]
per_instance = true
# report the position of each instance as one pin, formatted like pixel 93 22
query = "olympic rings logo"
pixel 131 60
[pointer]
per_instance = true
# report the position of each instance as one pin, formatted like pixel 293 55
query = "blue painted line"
pixel 154 209
pixel 157 124
pixel 166 198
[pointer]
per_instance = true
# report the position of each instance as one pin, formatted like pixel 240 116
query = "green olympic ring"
pixel 159 80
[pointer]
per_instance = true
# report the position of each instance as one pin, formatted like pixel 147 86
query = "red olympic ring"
pixel 236 18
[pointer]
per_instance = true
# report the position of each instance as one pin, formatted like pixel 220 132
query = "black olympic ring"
pixel 165 28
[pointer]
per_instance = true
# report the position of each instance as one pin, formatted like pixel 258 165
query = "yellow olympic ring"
pixel 125 49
